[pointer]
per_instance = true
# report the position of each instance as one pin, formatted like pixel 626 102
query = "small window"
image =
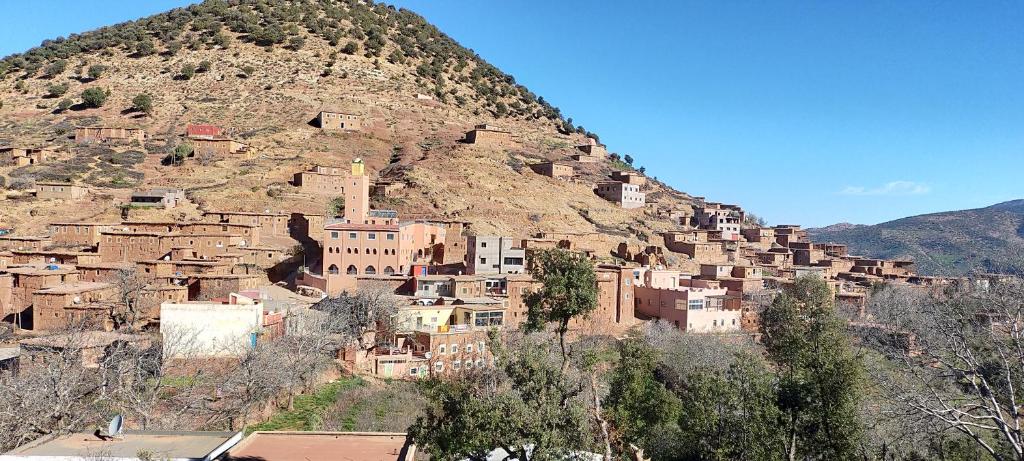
pixel 469 364
pixel 371 236
pixel 441 348
pixel 439 366
pixel 456 365
pixel 390 236
pixel 334 235
pixel 455 348
pixel 352 235
pixel 469 348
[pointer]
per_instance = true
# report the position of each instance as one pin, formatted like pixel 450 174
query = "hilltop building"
pixel 24 156
pixel 555 170
pixel 158 198
pixel 622 194
pixel 490 254
pixel 60 191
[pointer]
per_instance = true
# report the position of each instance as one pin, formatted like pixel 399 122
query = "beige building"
pixel 158 198
pixel 60 191
pixel 23 156
pixel 335 120
pixel 90 134
pixel 219 147
pixel 625 195
pixel 323 180
pixel 555 170
pixel 488 135
pixel 84 234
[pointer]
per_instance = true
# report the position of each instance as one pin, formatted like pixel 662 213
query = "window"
pixel 441 349
pixel 351 270
pixel 696 304
pixel 483 244
pixel 469 364
pixel 390 236
pixel 455 348
pixel 352 235
pixel 480 347
pixel 438 366
pixel 456 365
pixel 489 319
pixel 370 270
pixel 483 260
pixel 333 270
pixel 389 270
pixel 413 371
pixel 371 236
pixel 469 348
pixel 479 362
pixel 334 235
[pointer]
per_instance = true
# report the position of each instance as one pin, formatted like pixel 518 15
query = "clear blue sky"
pixel 802 112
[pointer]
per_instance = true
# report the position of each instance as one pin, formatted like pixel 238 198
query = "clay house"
pixel 784 234
pixel 57 256
pixel 624 195
pixel 615 311
pixel 705 252
pixel 24 156
pixel 884 268
pixel 321 179
pixel 199 131
pixel 218 147
pixel 118 245
pixel 93 346
pixel 555 170
pixel 80 234
pixel 727 219
pixel 24 242
pixel 488 135
pixel 593 149
pixel 835 250
pixel 91 134
pixel 24 281
pixel 761 237
pixel 53 307
pixel 224 327
pixel 60 191
pixel 385 188
pixel 806 253
pixel 307 226
pixel 490 254
pixel 101 272
pixel 158 198
pixel 335 120
pixel 629 177
pixel 271 223
pixel 205 287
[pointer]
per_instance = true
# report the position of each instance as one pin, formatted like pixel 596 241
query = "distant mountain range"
pixel 989 239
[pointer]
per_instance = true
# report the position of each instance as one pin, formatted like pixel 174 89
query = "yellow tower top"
pixel 358 169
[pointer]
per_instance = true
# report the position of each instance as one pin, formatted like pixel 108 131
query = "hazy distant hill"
pixel 948 243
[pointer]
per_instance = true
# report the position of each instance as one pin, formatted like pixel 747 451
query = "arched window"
pixel 330 249
pixel 370 270
pixel 333 269
pixel 374 251
pixel 389 270
pixel 348 250
pixel 351 270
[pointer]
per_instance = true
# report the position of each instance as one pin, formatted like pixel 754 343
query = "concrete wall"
pixel 209 329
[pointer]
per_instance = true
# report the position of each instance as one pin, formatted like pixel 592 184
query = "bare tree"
pixel 956 358
pixel 126 312
pixel 369 317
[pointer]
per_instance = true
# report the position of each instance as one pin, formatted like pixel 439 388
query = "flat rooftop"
pixel 323 446
pixel 164 445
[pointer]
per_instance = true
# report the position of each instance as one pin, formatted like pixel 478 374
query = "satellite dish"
pixel 115 426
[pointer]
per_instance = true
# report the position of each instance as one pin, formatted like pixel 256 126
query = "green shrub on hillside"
pixel 94 97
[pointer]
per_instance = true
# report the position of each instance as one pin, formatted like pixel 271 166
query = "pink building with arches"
pixel 374 242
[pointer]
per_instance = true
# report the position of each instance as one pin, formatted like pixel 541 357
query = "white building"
pixel 209 328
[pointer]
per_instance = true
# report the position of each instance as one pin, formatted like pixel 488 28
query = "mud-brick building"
pixel 624 195
pixel 60 191
pixel 488 135
pixel 24 156
pixel 331 119
pixel 555 170
pixel 92 134
pixel 54 306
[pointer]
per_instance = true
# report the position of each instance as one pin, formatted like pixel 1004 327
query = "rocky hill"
pixel 988 239
pixel 263 69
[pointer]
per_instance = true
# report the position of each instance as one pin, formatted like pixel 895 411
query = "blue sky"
pixel 802 112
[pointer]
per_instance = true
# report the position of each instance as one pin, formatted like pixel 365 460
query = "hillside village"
pixel 246 197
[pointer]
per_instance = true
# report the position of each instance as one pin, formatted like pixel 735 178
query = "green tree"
pixel 637 404
pixel 64 104
pixel 350 48
pixel 204 66
pixel 628 159
pixel 569 291
pixel 336 207
pixel 96 71
pixel 526 401
pixel 143 103
pixel 187 71
pixel 94 97
pixel 819 378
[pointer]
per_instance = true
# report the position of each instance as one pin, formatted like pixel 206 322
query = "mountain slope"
pixel 264 69
pixel 949 243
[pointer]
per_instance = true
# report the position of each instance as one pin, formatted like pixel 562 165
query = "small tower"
pixel 357 194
